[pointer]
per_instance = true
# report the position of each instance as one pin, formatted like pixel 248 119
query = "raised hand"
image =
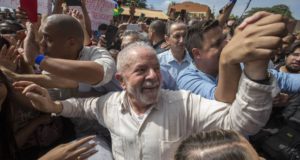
pixel 73 150
pixel 77 15
pixel 257 41
pixel 31 49
pixel 254 43
pixel 8 57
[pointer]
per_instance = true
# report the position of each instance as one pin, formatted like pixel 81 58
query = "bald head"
pixel 127 56
pixel 65 26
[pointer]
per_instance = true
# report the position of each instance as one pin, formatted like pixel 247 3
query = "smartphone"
pixel 73 2
pixel 30 7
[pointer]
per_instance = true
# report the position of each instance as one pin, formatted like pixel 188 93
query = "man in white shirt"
pixel 147 122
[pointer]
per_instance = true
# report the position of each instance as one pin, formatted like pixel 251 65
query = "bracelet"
pixel 39 59
pixel 265 81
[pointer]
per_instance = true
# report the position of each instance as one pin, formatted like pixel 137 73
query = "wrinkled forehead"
pixel 144 56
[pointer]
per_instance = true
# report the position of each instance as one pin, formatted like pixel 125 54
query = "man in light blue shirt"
pixel 177 58
pixel 201 77
pixel 203 84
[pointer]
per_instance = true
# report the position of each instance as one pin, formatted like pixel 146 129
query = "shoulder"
pixel 91 53
pixel 164 55
pixel 188 72
pixel 170 96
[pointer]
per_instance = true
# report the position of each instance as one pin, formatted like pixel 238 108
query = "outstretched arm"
pixel 44 80
pixel 39 97
pixel 91 108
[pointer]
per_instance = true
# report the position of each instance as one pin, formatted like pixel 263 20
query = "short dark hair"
pixel 212 145
pixel 194 35
pixel 10 27
pixel 159 27
pixel 102 27
pixel 293 47
pixel 169 25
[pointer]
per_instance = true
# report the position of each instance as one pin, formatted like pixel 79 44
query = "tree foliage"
pixel 278 9
pixel 139 3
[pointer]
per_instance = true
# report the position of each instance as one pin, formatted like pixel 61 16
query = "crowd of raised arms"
pixel 182 88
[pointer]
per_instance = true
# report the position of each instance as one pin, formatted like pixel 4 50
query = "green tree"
pixel 235 17
pixel 139 3
pixel 278 9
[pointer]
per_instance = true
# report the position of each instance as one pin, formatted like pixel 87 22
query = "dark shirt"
pixel 158 48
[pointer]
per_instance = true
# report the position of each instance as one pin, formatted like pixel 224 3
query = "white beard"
pixel 150 97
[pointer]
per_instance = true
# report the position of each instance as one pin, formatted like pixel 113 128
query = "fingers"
pixel 21 85
pixel 21 14
pixel 268 42
pixel 3 51
pixel 34 88
pixel 88 154
pixel 252 19
pixel 274 29
pixel 273 18
pixel 82 141
pixel 85 151
pixel 11 53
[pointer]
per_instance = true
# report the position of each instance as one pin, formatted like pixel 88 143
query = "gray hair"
pixel 124 58
pixel 140 36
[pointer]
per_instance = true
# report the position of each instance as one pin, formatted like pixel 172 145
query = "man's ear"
pixel 167 38
pixel 72 42
pixel 120 78
pixel 196 53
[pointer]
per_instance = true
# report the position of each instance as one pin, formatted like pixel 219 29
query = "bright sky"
pixel 215 5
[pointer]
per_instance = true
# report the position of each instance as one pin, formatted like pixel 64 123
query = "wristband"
pixel 265 81
pixel 39 59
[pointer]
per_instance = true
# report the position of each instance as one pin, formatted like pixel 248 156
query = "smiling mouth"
pixel 295 64
pixel 150 89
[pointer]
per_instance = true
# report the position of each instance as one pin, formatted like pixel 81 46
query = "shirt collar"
pixel 81 52
pixel 186 58
pixel 158 44
pixel 214 79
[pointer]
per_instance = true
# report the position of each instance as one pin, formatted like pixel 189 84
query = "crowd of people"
pixel 180 89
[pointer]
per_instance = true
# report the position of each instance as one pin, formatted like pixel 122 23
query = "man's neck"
pixel 205 70
pixel 178 54
pixel 156 40
pixel 137 107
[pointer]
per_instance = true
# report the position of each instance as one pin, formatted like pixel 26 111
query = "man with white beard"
pixel 147 122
